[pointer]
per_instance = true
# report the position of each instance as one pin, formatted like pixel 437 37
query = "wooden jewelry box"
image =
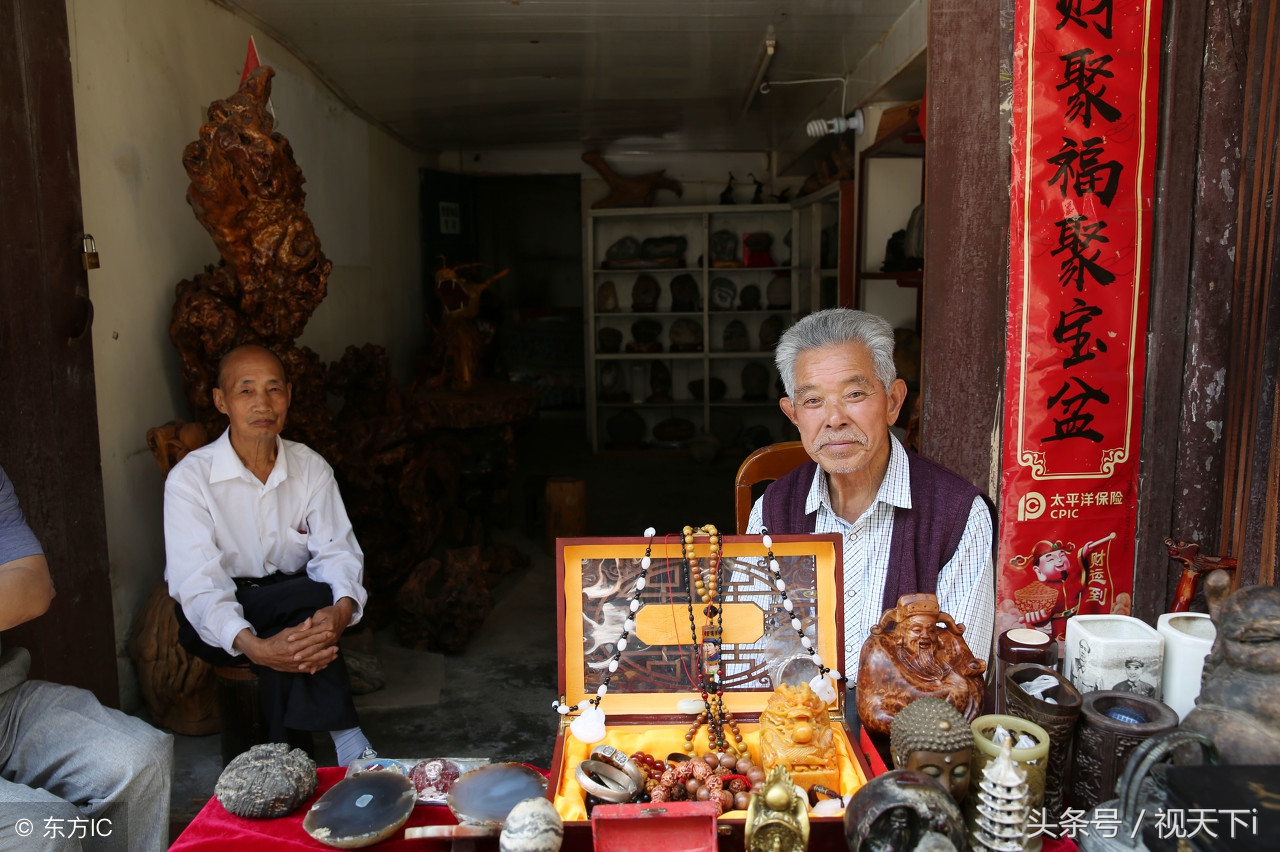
pixel 658 667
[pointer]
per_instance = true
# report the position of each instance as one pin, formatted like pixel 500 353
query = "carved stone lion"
pixel 795 732
pixel 1239 703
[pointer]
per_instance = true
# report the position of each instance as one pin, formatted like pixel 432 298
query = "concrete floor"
pixel 494 699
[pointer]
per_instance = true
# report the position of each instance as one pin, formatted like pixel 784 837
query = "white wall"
pixel 144 71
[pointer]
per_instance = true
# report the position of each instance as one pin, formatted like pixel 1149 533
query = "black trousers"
pixel 298 702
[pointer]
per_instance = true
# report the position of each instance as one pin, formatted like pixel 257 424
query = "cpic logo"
pixel 1030 506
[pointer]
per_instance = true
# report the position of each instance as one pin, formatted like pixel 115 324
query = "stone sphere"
pixel 532 826
pixel 267 781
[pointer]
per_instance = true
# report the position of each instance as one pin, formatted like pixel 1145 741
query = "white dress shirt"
pixel 221 522
pixel 966 584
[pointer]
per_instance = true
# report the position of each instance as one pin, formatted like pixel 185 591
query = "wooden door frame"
pixel 49 431
pixel 1252 427
pixel 966 268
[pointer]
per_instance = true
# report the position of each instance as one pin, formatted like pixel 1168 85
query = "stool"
pixel 243 724
pixel 566 509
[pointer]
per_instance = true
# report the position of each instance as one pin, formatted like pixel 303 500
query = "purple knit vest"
pixel 925 537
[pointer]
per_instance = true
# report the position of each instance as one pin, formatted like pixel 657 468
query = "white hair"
pixel 834 327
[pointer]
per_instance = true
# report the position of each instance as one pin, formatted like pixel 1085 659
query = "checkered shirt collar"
pixel 894 490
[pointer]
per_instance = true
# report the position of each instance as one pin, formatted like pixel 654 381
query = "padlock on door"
pixel 89 253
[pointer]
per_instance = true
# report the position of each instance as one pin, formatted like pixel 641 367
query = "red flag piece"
pixel 251 60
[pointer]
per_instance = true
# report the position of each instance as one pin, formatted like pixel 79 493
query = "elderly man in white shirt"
pixel 262 560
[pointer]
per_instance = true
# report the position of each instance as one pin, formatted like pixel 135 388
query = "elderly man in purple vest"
pixel 909 525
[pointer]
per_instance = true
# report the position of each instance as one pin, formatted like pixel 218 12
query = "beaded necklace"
pixel 709 663
pixel 820 684
pixel 589 727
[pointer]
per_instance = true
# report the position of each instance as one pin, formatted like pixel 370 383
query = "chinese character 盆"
pixel 1081 72
pixel 1077 422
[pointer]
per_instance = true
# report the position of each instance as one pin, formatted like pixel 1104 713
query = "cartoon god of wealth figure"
pixel 795 732
pixel 916 651
pixel 1058 590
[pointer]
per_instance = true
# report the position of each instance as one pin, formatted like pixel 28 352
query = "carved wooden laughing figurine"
pixel 916 651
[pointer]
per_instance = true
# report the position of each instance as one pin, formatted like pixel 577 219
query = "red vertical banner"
pixel 1084 131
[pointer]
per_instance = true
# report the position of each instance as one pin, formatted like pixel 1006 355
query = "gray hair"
pixel 835 327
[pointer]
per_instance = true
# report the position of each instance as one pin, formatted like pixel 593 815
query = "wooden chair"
pixel 764 465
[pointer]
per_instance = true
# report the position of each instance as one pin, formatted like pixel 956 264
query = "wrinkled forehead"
pixel 250 363
pixel 836 364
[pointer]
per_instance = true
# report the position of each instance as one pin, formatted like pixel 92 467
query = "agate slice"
pixel 361 810
pixel 485 796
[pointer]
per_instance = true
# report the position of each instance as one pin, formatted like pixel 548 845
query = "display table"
pixel 215 829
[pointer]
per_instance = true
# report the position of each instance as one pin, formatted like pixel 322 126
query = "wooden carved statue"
pixel 246 190
pixel 916 651
pixel 840 164
pixel 402 463
pixel 795 732
pixel 1194 565
pixel 1239 703
pixel 460 344
pixel 178 688
pixel 171 442
pixel 641 189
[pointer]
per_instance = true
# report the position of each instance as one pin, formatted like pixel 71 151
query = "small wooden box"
pixel 657 669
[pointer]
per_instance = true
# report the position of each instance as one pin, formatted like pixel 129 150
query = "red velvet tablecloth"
pixel 214 828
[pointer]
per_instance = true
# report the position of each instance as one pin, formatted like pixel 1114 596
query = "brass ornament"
pixel 777 816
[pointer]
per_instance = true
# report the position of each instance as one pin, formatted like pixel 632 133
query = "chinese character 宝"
pixel 1071 331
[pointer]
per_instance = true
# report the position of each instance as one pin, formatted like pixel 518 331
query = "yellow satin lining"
pixel 660 741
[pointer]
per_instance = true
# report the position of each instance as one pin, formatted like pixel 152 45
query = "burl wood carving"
pixel 641 189
pixel 414 476
pixel 460 342
pixel 916 651
pixel 1194 564
pixel 246 190
pixel 178 688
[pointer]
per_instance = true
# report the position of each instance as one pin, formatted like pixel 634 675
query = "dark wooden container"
pixel 1102 744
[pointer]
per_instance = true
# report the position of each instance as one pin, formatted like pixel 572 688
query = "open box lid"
pixel 658 666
